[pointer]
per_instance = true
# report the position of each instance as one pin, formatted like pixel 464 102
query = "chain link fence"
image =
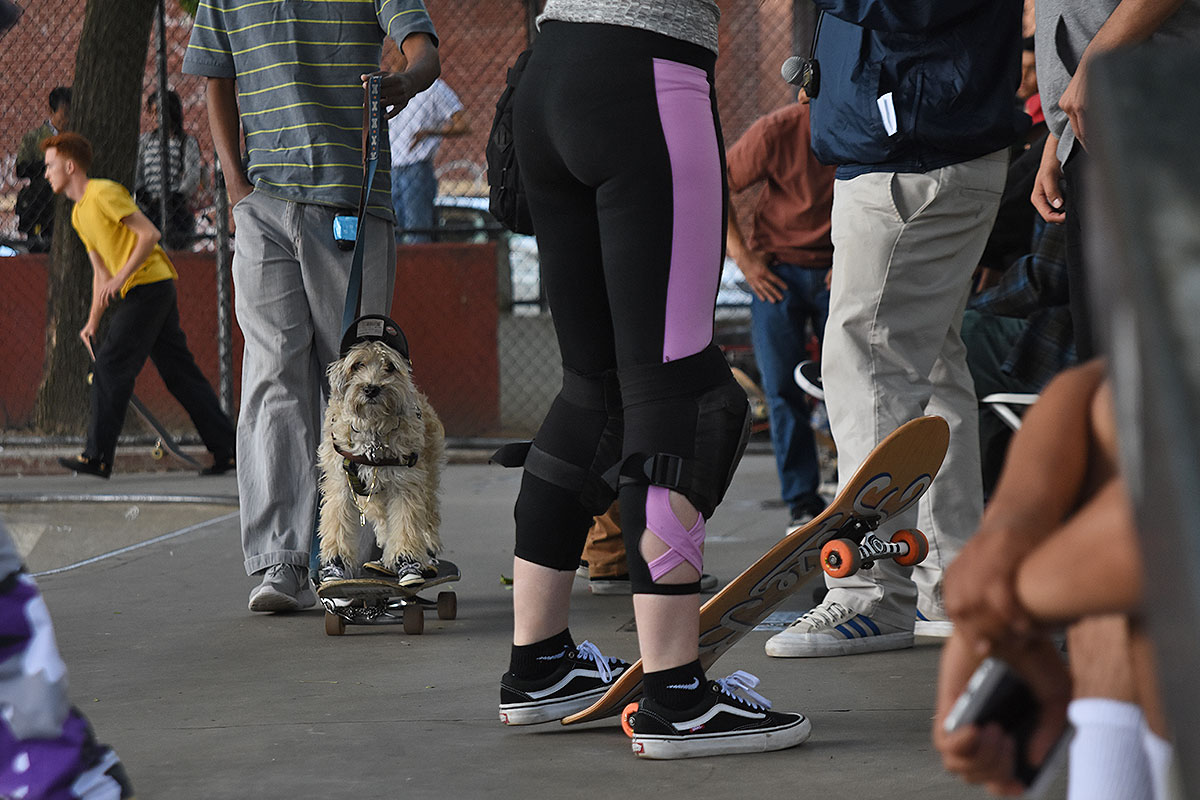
pixel 500 381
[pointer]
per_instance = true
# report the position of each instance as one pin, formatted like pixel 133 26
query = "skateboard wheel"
pixel 157 452
pixel 334 625
pixel 840 558
pixel 414 620
pixel 627 718
pixel 918 546
pixel 447 605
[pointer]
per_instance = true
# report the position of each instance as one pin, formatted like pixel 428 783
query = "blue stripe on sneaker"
pixel 858 628
pixel 921 616
pixel 870 624
pixel 842 630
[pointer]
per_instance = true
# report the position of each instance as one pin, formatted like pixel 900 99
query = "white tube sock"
pixel 1160 755
pixel 1108 758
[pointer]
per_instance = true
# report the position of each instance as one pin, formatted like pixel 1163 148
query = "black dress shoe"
pixel 87 466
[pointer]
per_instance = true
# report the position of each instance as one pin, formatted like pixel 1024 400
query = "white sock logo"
pixel 695 684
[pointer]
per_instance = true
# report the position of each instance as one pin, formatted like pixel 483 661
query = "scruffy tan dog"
pixel 381 455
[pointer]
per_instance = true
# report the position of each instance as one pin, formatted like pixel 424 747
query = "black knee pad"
pixel 686 426
pixel 566 467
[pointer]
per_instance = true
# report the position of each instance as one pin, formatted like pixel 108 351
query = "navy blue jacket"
pixel 951 66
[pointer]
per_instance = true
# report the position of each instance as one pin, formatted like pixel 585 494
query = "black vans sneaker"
pixel 580 680
pixel 732 718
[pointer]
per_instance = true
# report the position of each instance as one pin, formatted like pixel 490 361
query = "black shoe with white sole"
pixel 732 718
pixel 582 678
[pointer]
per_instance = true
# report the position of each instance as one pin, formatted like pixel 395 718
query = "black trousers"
pixel 145 324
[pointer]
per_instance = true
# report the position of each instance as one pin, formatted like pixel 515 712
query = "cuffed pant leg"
pixel 905 248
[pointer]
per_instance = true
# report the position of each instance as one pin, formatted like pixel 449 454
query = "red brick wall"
pixel 445 300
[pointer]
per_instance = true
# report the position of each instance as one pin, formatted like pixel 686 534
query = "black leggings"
pixel 621 153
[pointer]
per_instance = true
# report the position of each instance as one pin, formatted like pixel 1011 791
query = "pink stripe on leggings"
pixel 685 112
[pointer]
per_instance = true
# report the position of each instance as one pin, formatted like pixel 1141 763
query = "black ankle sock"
pixel 677 688
pixel 530 662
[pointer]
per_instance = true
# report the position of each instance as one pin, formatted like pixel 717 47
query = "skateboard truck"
pixel 856 546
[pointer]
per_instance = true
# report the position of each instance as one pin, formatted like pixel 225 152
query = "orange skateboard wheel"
pixel 840 558
pixel 626 722
pixel 918 546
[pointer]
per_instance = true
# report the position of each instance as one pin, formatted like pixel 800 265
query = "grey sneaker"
pixel 284 587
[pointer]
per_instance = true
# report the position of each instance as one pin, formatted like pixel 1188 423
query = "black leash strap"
pixel 372 133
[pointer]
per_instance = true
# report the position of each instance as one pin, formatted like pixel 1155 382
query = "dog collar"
pixel 409 460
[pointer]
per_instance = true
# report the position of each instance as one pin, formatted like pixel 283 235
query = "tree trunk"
pixel 105 106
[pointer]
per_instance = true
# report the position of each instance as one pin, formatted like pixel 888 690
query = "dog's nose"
pixel 371 391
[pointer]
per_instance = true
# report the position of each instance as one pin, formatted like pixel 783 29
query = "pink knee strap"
pixel 682 544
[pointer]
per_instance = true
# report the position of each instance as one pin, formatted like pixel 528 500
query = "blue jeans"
pixel 414 187
pixel 779 334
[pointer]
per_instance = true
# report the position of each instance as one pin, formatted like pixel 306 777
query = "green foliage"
pixel 189 6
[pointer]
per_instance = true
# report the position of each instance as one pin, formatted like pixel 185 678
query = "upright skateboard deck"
pixel 891 479
pixel 165 440
pixel 379 601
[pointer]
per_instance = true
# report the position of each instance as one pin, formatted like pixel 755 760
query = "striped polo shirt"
pixel 297 65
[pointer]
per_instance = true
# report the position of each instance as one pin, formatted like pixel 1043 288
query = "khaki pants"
pixel 905 248
pixel 605 549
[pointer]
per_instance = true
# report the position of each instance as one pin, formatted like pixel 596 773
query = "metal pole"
pixel 224 301
pixel 164 186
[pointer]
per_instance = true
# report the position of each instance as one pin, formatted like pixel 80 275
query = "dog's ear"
pixel 337 373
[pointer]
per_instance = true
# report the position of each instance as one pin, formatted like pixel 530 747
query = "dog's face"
pixel 371 381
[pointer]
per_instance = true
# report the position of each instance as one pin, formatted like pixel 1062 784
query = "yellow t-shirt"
pixel 97 219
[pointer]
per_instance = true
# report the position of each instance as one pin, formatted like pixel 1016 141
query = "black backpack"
pixel 506 194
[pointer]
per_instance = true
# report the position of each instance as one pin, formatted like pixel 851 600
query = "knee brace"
pixel 686 426
pixel 577 445
pixel 687 423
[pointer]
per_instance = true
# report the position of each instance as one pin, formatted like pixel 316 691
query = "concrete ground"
pixel 203 699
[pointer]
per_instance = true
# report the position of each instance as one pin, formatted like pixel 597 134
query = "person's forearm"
pixel 424 63
pixel 1101 546
pixel 96 309
pixel 137 257
pixel 1132 21
pixel 225 124
pixel 735 243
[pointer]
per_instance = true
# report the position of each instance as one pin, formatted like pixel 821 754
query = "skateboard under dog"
pixel 165 443
pixel 891 479
pixel 379 601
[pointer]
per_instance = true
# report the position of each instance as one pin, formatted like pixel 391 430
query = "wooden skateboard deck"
pixel 891 479
pixel 379 601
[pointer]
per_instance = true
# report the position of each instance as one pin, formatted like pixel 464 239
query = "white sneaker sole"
pixel 534 713
pixel 718 744
pixel 808 645
pixel 933 629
